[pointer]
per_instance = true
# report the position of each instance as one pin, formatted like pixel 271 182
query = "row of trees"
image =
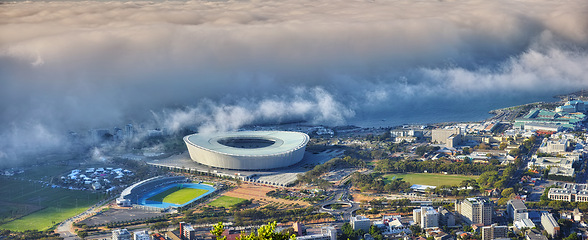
pixel 432 166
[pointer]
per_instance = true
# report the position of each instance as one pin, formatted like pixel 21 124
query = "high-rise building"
pixel 549 224
pixel 187 232
pixel 477 211
pixel 360 222
pixel 494 232
pixel 121 234
pixel 426 217
pixel 517 210
pixel 129 131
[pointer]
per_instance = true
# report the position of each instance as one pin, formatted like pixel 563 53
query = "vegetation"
pixel 226 201
pixel 265 232
pixel 433 179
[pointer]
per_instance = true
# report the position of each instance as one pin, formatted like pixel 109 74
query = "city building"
pixel 562 166
pixel 549 224
pixel 360 222
pixel 516 210
pixel 446 218
pixel 187 232
pixel 121 234
pixel 327 233
pixel 426 217
pixel 524 223
pixel 450 137
pixel 534 234
pixel 476 211
pixel 554 146
pixel 494 232
pixel 571 192
pixel 141 235
pixel 392 226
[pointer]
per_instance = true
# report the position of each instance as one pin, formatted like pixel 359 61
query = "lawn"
pixel 432 179
pixel 53 204
pixel 225 201
pixel 178 196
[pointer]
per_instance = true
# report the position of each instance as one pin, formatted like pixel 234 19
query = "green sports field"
pixel 178 195
pixel 225 201
pixel 27 205
pixel 432 179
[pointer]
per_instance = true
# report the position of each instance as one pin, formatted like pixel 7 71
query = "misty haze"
pixel 216 66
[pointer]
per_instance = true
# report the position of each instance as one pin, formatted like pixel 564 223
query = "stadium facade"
pixel 247 150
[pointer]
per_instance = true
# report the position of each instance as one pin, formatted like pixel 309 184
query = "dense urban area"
pixel 519 175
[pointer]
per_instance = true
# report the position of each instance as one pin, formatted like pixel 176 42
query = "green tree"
pixel 507 192
pixel 218 230
pixel 267 232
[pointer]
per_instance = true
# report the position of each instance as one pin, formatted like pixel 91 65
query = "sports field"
pixel 432 179
pixel 27 205
pixel 178 195
pixel 225 201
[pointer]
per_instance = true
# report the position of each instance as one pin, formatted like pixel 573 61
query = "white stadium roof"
pixel 247 150
pixel 283 142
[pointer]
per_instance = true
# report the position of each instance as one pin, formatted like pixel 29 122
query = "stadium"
pixel 155 192
pixel 247 150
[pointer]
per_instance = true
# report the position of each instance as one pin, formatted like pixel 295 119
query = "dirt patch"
pixel 358 197
pixel 257 192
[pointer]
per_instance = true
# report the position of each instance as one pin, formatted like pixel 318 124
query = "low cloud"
pixel 216 66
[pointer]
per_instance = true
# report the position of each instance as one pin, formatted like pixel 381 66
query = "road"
pixel 340 196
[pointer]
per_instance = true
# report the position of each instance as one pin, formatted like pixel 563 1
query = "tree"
pixel 267 232
pixel 507 192
pixel 218 230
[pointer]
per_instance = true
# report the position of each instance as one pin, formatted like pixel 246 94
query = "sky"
pixel 220 65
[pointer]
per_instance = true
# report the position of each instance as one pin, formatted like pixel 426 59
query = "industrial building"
pixel 551 121
pixel 248 150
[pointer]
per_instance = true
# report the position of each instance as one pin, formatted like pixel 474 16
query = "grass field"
pixel 225 201
pixel 39 208
pixel 432 179
pixel 178 196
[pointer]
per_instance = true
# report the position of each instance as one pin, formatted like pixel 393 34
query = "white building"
pixel 327 233
pixel 549 224
pixel 554 146
pixel 426 217
pixel 121 234
pixel 141 235
pixel 517 210
pixel 360 222
pixel 571 192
